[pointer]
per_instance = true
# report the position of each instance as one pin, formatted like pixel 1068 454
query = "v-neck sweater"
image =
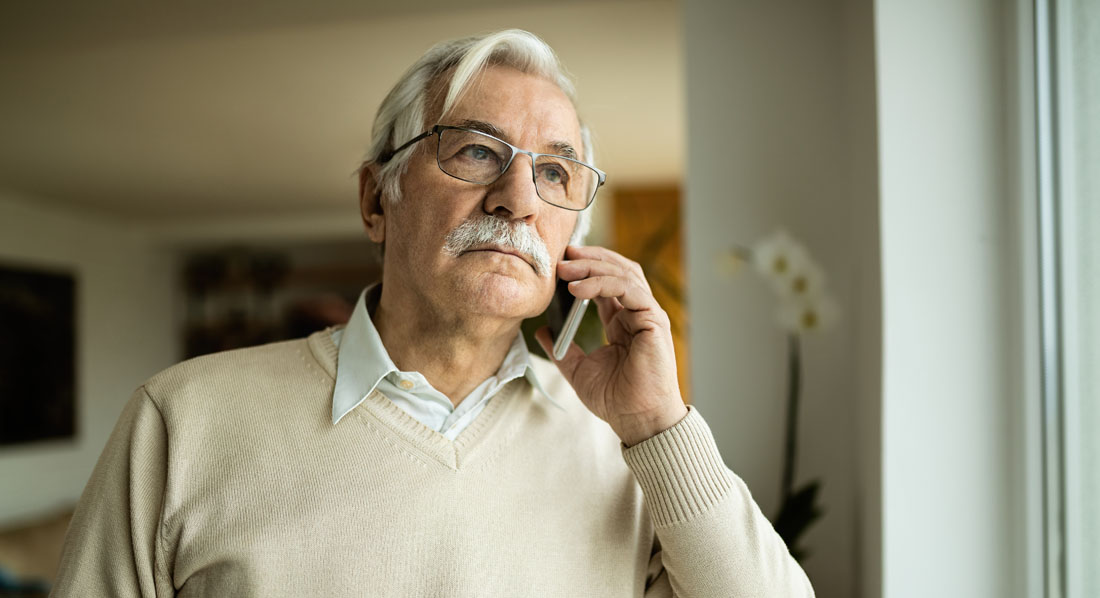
pixel 225 476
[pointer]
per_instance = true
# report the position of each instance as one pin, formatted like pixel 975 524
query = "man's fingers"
pixel 630 294
pixel 614 283
pixel 607 307
pixel 576 252
pixel 583 268
pixel 599 261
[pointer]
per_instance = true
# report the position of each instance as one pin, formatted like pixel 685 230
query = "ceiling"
pixel 213 109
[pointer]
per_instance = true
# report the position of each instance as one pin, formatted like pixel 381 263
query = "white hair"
pixel 403 113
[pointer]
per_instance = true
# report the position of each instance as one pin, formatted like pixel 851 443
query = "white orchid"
pixel 778 258
pixel 804 303
pixel 804 306
pixel 805 283
pixel 730 263
pixel 809 314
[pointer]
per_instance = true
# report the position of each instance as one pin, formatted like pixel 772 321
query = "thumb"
pixel 573 355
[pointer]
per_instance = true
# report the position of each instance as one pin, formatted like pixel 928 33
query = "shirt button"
pixel 407 384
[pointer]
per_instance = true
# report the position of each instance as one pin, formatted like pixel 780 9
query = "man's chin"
pixel 506 294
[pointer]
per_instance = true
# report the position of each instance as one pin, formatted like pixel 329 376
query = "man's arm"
pixel 112 546
pixel 714 539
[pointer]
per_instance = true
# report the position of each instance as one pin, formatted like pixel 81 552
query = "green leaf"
pixel 796 514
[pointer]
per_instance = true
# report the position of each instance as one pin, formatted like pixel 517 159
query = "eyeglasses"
pixel 480 158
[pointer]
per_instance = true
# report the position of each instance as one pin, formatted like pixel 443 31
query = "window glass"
pixel 1079 132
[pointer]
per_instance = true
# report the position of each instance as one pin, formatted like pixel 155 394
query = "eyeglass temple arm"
pixel 387 156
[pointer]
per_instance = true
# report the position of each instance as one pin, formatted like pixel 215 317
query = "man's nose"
pixel 513 195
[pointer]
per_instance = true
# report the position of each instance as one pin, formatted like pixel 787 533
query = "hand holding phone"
pixel 630 382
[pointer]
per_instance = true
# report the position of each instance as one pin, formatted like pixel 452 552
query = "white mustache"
pixel 492 230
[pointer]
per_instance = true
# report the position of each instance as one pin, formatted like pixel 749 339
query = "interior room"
pixel 177 180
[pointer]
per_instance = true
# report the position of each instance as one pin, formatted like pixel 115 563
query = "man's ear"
pixel 370 203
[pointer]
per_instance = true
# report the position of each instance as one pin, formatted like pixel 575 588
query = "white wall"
pixel 886 137
pixel 780 99
pixel 124 334
pixel 951 319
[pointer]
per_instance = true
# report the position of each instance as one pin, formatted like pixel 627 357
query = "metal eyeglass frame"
pixel 437 129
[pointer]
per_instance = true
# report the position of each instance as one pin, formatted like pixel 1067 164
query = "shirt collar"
pixel 363 361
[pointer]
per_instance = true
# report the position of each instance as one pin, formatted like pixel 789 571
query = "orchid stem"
pixel 794 389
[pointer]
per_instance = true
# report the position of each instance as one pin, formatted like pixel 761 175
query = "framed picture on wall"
pixel 37 354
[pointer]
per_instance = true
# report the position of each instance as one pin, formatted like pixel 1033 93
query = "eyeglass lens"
pixel 478 158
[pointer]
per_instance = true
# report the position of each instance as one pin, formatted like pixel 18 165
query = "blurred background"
pixel 178 179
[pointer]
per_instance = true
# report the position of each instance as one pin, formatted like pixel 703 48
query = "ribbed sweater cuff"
pixel 680 471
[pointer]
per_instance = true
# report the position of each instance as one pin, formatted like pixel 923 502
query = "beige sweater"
pixel 226 477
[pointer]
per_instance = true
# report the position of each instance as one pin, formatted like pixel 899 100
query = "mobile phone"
pixel 564 318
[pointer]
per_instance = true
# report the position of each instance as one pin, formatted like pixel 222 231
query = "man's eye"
pixel 478 152
pixel 553 174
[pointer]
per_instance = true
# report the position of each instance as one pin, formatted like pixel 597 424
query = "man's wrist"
pixel 639 430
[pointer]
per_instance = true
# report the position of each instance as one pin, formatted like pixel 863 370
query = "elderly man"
pixel 419 450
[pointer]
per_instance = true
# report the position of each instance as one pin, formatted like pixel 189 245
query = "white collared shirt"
pixel 364 365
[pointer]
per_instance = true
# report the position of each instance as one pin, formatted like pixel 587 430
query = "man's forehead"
pixel 519 108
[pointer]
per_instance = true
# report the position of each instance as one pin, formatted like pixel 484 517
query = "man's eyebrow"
pixel 482 126
pixel 560 148
pixel 564 148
